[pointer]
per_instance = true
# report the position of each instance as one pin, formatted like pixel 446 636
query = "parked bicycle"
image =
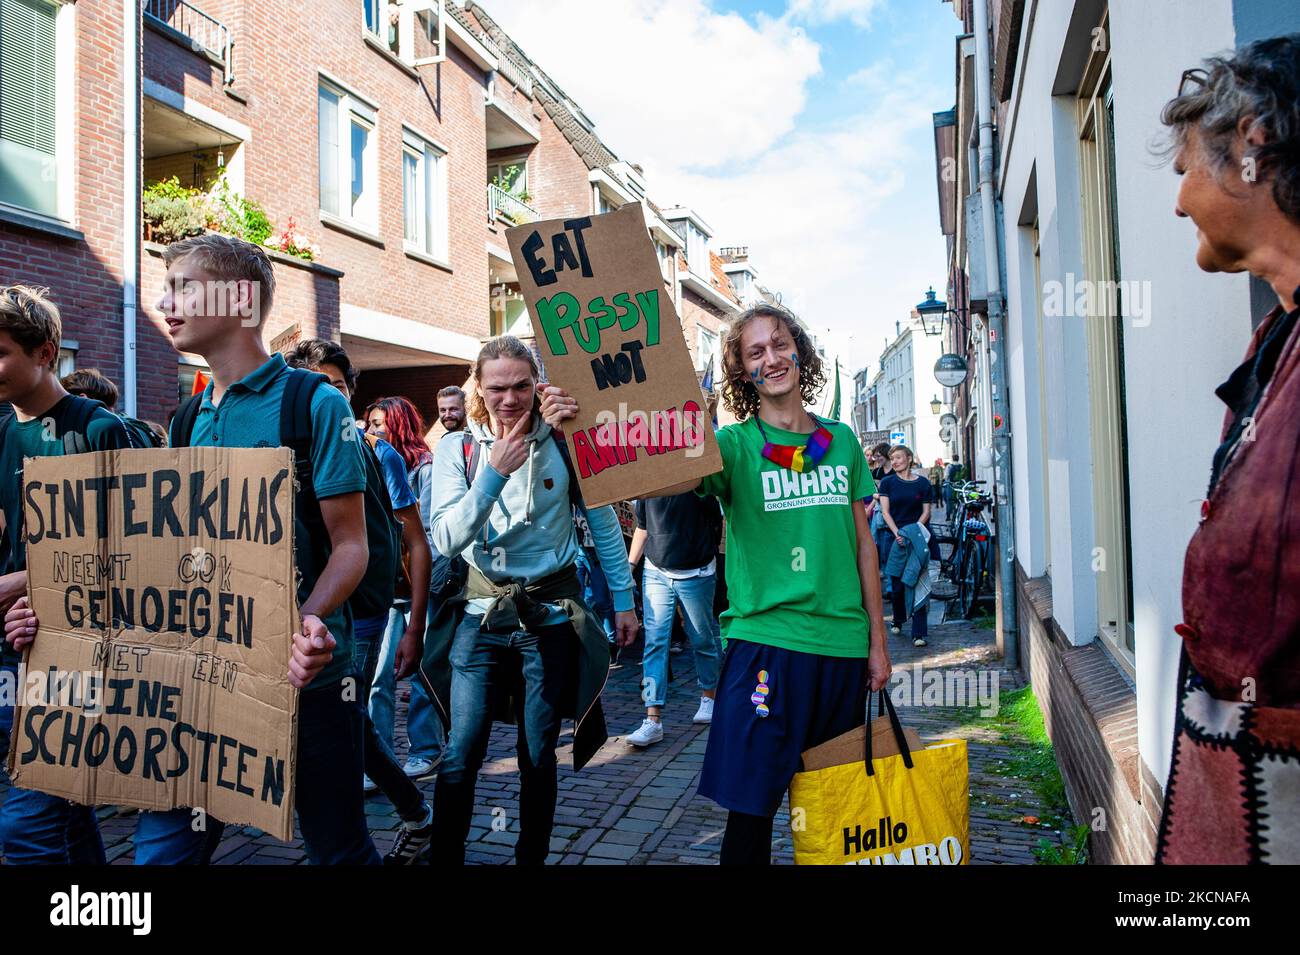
pixel 964 547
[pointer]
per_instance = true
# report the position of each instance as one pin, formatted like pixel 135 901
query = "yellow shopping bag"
pixel 909 808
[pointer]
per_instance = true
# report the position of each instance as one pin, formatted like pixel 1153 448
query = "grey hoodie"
pixel 521 527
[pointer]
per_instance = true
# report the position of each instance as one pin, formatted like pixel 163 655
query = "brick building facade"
pixel 404 161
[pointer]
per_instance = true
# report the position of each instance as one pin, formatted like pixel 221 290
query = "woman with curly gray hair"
pixel 1233 794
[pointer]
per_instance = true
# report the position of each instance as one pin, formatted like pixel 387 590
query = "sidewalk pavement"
pixel 640 807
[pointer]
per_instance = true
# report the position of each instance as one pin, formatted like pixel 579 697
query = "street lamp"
pixel 935 405
pixel 932 313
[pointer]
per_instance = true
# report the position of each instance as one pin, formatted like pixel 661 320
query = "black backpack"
pixel 383 533
pixel 72 430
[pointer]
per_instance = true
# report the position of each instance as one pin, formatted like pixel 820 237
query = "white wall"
pixel 1198 330
pixel 1196 334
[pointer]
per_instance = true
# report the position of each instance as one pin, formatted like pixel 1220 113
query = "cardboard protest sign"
pixel 610 336
pixel 164 584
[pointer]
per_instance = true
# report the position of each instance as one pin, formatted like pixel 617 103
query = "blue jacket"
pixel 910 561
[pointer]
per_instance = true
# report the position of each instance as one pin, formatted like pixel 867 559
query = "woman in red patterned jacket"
pixel 1233 794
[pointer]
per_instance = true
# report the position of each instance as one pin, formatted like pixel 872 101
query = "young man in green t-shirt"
pixel 799 655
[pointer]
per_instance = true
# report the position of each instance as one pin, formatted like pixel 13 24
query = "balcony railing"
pixel 512 73
pixel 502 203
pixel 204 31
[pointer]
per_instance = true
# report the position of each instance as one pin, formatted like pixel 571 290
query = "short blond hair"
pixel 30 318
pixel 228 259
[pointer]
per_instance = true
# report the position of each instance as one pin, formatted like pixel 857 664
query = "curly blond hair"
pixel 738 391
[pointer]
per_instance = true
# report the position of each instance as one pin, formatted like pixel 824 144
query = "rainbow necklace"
pixel 794 457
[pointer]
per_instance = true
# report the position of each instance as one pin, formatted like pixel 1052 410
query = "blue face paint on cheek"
pixel 755 376
pixel 795 358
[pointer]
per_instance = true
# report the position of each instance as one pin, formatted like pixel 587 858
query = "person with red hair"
pixel 400 423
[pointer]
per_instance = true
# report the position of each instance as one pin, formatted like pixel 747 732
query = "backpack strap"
pixel 80 411
pixel 470 449
pixel 296 432
pixel 575 492
pixel 182 428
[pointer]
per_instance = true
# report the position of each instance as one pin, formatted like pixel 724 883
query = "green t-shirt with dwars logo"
pixel 792 552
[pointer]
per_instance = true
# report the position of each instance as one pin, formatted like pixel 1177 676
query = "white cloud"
pixel 669 82
pixel 827 221
pixel 826 11
pixel 840 217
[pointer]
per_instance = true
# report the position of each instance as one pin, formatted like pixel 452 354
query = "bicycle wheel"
pixel 950 566
pixel 972 573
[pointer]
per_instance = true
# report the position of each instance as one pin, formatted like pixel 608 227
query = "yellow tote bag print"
pixel 895 816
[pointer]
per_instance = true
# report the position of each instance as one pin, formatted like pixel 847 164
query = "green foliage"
pixel 174 211
pixel 232 214
pixel 172 218
pixel 1031 759
pixel 1072 849
pixel 170 189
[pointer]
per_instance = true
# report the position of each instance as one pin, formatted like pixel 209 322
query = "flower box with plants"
pixel 172 212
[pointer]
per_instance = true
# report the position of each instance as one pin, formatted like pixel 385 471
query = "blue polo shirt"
pixel 249 417
pixel 393 467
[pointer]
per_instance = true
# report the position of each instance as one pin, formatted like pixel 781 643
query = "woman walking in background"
pixel 880 469
pixel 905 506
pixel 402 426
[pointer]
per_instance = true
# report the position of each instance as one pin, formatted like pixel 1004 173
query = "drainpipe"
pixel 1002 474
pixel 130 196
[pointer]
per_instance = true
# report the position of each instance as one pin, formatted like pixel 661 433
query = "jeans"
pixel 920 616
pixel 40 829
pixel 595 589
pixel 885 544
pixel 383 686
pixel 330 803
pixel 540 667
pixel 661 595
pixel 423 727
pixel 381 767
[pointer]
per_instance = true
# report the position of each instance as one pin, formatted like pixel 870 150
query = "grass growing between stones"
pixel 1030 758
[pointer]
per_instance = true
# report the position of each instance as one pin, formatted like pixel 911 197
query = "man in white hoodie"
pixel 504 499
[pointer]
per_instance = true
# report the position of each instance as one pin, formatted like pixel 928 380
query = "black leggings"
pixel 747 840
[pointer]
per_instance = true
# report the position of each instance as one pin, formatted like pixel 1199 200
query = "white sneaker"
pixel 647 734
pixel 419 768
pixel 705 713
pixel 368 785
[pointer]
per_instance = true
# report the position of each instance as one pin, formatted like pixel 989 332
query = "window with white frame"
pixel 706 348
pixel 36 105
pixel 665 253
pixel 1105 332
pixel 349 180
pixel 697 252
pixel 741 280
pixel 424 196
pixel 381 21
pixel 510 175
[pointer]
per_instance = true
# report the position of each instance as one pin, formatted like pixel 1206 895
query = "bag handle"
pixel 894 722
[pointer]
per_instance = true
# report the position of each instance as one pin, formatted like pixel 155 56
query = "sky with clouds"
pixel 800 128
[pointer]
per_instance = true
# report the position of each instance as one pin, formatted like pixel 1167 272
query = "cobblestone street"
pixel 640 807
